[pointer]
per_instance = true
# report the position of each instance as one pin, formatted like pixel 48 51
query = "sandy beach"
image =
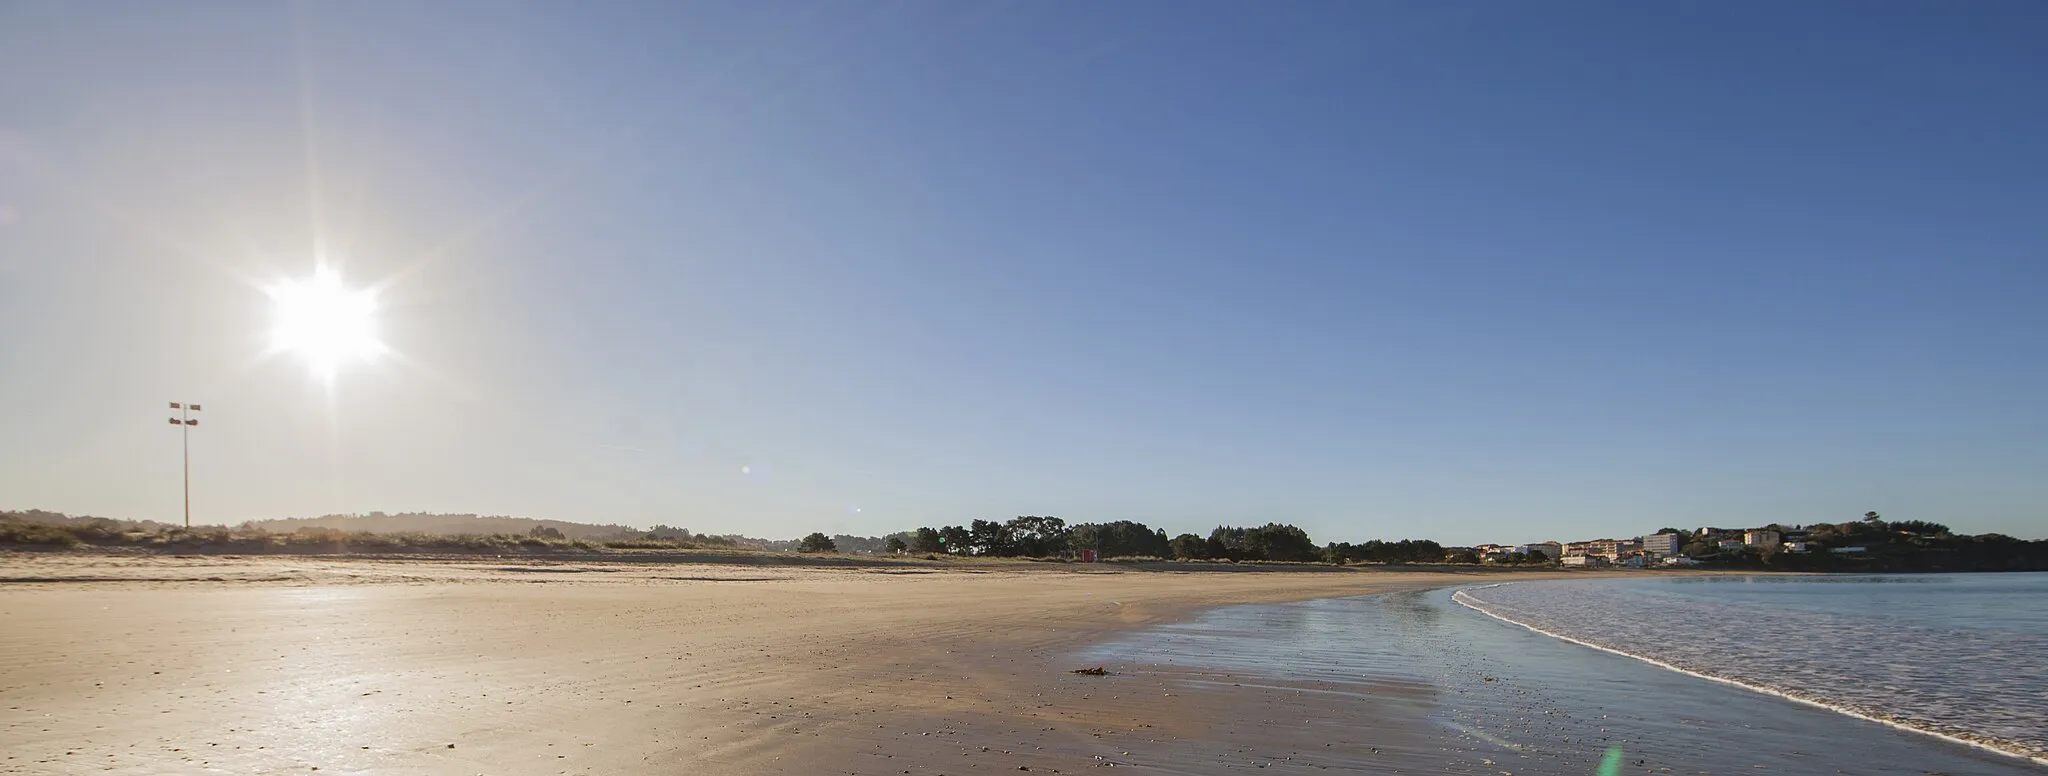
pixel 287 665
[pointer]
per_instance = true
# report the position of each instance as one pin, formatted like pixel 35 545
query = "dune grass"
pixel 112 535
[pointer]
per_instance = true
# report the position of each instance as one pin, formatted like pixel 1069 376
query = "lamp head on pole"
pixel 189 409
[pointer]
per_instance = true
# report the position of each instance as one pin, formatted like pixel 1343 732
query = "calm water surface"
pixel 1501 698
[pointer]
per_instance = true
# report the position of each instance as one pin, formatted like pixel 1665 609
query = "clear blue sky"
pixel 1472 271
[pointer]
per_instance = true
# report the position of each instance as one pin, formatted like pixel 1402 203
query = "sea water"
pixel 1963 655
pixel 1500 697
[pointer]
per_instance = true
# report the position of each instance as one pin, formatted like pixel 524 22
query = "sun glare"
pixel 325 323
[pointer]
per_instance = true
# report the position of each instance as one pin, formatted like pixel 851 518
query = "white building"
pixel 1761 538
pixel 1665 545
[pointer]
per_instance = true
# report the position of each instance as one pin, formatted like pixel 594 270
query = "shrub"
pixel 646 544
pixel 17 532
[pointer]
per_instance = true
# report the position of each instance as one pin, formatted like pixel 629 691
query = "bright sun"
pixel 325 323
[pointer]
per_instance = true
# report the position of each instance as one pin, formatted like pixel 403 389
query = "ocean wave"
pixel 1982 688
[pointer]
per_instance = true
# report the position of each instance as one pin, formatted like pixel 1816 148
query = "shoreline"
pixel 1461 599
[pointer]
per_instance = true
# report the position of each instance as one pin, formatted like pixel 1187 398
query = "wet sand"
pixel 284 665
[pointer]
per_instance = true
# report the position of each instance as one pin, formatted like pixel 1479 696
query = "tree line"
pixel 1037 536
pixel 1403 551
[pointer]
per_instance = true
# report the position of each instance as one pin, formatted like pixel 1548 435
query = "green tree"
pixel 1216 549
pixel 1120 539
pixel 816 542
pixel 1272 541
pixel 669 533
pixel 1279 541
pixel 988 537
pixel 1188 546
pixel 1039 537
pixel 896 544
pixel 956 540
pixel 1920 527
pixel 1422 550
pixel 927 540
pixel 1227 542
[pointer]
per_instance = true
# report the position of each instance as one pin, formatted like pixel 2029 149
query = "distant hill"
pixel 46 517
pixel 451 525
pixel 374 522
pixel 430 523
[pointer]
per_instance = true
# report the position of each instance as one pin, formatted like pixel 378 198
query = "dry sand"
pixel 245 666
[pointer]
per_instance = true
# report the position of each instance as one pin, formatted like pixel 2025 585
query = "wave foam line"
pixel 1475 605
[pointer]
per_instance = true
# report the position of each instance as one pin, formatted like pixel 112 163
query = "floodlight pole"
pixel 185 422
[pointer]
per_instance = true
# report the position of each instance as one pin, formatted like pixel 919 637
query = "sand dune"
pixel 293 666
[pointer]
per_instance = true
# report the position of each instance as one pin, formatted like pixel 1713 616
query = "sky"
pixel 1471 271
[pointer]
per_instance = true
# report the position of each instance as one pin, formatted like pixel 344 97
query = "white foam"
pixel 1463 598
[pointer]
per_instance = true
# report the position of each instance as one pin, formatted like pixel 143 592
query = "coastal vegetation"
pixel 1033 536
pixel 1869 544
pixel 1872 544
pixel 1404 551
pixel 816 542
pixel 40 528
